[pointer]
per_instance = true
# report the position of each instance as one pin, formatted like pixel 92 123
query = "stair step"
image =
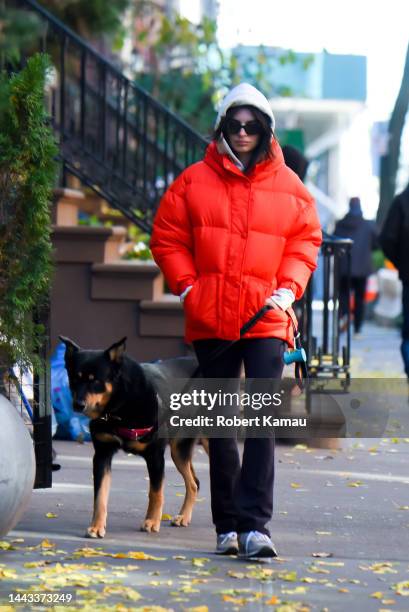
pixel 162 317
pixel 80 244
pixel 66 205
pixel 126 280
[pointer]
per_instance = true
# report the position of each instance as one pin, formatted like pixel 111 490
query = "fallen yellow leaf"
pixel 239 601
pixel 295 591
pixel 238 575
pixel 200 561
pixel 402 588
pixel 356 483
pixel 123 591
pixel 135 554
pixel 273 601
pixel 8 573
pixel 188 589
pixel 288 576
pixel 331 563
pixel 317 570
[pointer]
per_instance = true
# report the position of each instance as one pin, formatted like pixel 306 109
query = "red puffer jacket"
pixel 236 238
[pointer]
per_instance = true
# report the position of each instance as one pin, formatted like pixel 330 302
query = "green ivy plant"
pixel 27 176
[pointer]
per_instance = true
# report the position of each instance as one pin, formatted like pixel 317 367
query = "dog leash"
pixel 300 367
pixel 297 354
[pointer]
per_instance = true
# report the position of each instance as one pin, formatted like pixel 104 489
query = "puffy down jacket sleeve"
pixel 172 238
pixel 300 254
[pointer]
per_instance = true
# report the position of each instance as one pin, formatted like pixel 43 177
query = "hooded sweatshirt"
pixel 247 95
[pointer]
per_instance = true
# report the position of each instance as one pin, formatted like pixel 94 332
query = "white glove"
pixel 283 298
pixel 184 294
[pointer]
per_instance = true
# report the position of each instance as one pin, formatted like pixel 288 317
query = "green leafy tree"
pixel 390 161
pixel 179 62
pixel 182 64
pixel 17 29
pixel 91 18
pixel 27 176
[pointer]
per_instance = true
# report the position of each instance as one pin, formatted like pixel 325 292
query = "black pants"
pixel 242 497
pixel 405 328
pixel 358 286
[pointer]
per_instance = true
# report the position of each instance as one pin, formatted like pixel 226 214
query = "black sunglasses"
pixel 233 126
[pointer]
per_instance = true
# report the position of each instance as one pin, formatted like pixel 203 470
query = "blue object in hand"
pixel 294 356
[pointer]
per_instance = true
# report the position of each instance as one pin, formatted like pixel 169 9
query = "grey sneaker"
pixel 253 544
pixel 227 543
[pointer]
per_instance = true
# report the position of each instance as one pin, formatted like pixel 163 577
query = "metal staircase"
pixel 114 136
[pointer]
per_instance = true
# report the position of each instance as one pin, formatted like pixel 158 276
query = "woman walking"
pixel 232 233
pixel 363 232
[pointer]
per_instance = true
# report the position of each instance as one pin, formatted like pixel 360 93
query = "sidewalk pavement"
pixel 341 526
pixel 376 353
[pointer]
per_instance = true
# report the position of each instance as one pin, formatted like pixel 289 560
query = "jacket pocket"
pixel 201 304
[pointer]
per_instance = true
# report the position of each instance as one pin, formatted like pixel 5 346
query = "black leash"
pixel 222 349
pixel 215 355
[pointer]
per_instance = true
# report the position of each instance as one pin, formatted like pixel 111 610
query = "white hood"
pixel 245 94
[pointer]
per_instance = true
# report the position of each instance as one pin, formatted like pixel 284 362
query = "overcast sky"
pixel 377 29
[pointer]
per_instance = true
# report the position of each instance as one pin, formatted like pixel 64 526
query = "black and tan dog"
pixel 122 397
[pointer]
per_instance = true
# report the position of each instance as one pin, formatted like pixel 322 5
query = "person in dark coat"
pixel 295 160
pixel 364 235
pixel 394 240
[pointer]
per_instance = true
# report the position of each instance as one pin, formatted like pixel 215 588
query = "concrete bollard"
pixel 17 466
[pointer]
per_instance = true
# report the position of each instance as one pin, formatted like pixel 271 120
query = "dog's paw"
pixel 95 532
pixel 150 525
pixel 180 520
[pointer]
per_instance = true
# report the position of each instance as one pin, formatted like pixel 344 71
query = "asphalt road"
pixel 351 504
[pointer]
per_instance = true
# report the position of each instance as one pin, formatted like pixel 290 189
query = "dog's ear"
pixel 116 351
pixel 70 346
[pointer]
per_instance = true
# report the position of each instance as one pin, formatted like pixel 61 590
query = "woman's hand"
pixel 282 299
pixel 184 294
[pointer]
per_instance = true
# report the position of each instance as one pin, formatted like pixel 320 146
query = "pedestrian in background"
pixel 394 241
pixel 364 235
pixel 234 232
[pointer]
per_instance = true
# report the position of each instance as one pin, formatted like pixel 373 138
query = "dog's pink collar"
pixel 132 434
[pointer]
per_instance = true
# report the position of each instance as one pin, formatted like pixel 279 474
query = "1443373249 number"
pixel 47 598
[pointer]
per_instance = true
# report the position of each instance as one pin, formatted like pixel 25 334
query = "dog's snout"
pixel 79 405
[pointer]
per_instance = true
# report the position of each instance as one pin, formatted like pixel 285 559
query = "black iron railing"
pixel 114 137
